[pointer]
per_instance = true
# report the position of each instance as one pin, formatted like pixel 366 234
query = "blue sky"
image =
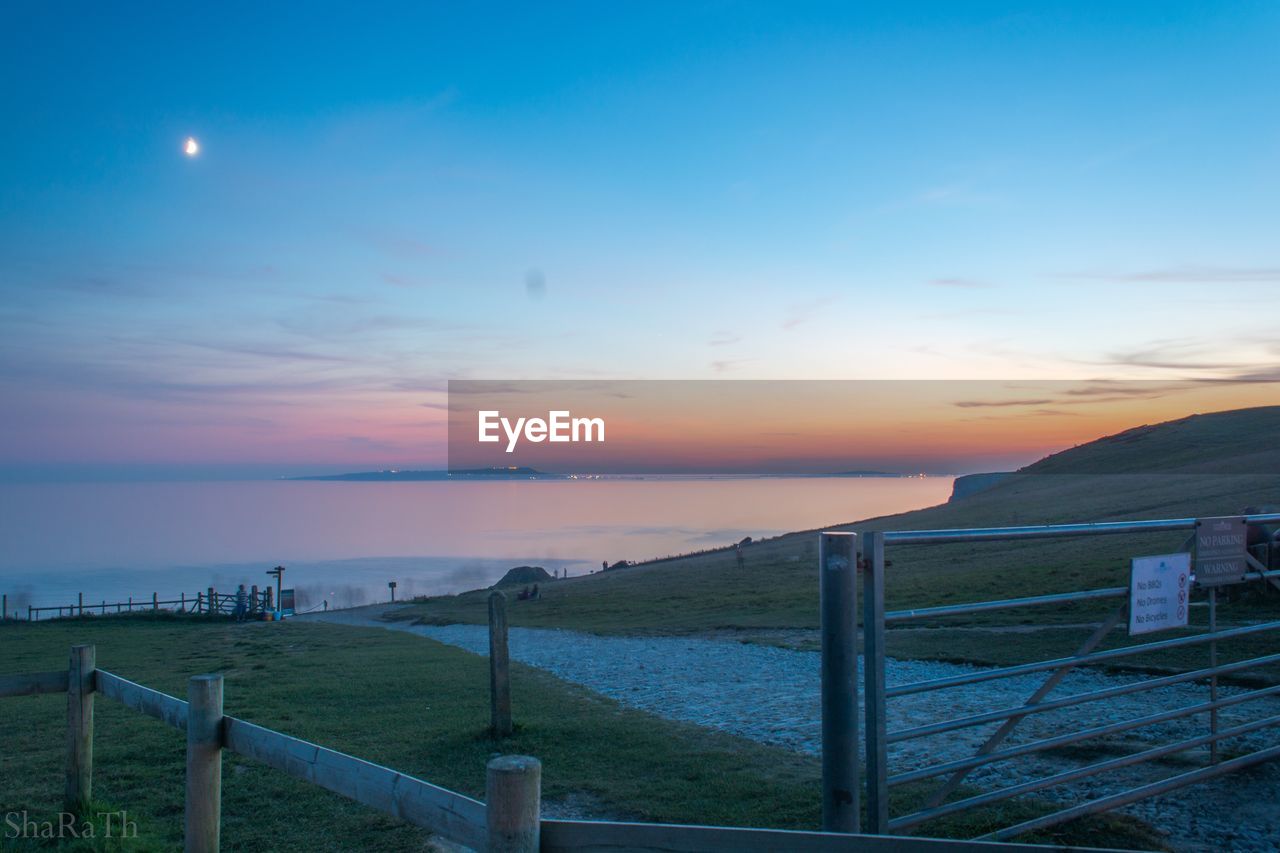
pixel 391 196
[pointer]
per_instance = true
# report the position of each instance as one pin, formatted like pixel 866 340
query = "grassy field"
pixel 1196 467
pixel 408 703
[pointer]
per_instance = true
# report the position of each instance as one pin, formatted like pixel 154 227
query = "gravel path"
pixel 771 694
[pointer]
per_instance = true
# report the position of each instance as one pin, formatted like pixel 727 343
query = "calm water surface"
pixel 344 541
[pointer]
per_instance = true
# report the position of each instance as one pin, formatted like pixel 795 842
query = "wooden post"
pixel 80 605
pixel 204 764
pixel 837 601
pixel 253 599
pixel 499 667
pixel 182 608
pixel 155 601
pixel 211 601
pixel 513 802
pixel 80 681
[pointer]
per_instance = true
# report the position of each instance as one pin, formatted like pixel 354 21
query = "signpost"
pixel 1158 590
pixel 1221 549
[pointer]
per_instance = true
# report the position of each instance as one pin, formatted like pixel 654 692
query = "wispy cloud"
pixel 977 404
pixel 955 194
pixel 401 245
pixel 397 280
pixel 970 283
pixel 1188 274
pixel 801 313
pixel 722 339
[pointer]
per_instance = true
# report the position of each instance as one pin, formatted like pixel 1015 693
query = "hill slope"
pixel 1199 466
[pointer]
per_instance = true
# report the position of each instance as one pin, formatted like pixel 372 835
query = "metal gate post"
pixel 837 571
pixel 872 565
pixel 1213 679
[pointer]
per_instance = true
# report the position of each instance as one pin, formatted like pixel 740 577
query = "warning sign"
pixel 1221 546
pixel 1158 590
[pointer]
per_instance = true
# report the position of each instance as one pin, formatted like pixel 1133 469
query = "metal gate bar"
pixel 1081 773
pixel 1139 793
pixel 1075 737
pixel 1083 660
pixel 1054 679
pixel 1077 699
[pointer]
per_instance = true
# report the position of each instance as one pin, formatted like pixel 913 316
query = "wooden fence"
pixel 207 601
pixel 509 821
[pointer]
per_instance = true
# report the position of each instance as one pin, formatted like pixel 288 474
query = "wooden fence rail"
pixel 206 601
pixel 510 822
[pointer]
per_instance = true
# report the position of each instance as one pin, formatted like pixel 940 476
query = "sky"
pixel 392 196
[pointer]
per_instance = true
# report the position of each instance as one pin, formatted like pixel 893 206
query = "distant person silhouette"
pixel 242 603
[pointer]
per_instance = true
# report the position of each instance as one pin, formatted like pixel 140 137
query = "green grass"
pixel 411 704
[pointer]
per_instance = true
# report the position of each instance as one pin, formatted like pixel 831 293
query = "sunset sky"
pixel 389 197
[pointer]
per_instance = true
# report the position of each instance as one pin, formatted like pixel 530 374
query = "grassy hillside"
pixel 407 703
pixel 1199 466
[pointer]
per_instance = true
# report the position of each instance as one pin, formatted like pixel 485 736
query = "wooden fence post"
pixel 155 601
pixel 80 686
pixel 499 666
pixel 204 764
pixel 212 601
pixel 80 605
pixel 513 804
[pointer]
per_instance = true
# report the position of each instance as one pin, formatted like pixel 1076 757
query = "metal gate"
pixel 844 555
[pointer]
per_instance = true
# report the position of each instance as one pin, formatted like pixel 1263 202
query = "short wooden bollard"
pixel 499 667
pixel 513 804
pixel 80 686
pixel 204 764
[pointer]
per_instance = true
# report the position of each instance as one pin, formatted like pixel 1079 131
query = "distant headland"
pixel 526 473
pixel 397 476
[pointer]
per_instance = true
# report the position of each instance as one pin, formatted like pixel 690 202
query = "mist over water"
pixel 344 541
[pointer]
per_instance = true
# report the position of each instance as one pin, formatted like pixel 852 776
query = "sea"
pixel 344 542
